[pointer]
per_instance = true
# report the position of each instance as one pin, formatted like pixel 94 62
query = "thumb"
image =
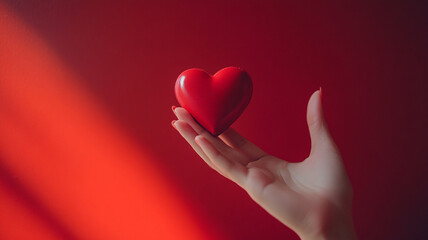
pixel 318 130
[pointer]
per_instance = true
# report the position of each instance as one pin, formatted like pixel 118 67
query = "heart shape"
pixel 214 101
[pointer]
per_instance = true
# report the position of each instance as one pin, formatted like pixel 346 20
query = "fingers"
pixel 189 135
pixel 236 141
pixel 320 135
pixel 231 169
pixel 184 115
pixel 227 151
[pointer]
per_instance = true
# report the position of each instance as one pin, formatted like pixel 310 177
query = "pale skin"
pixel 312 197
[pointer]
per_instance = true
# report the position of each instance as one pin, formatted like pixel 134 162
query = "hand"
pixel 312 197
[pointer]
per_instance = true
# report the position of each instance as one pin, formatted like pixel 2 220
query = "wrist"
pixel 340 228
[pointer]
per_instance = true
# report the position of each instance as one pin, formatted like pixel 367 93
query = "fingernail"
pixel 320 91
pixel 172 123
pixel 173 108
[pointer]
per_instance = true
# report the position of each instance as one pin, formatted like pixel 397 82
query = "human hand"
pixel 312 197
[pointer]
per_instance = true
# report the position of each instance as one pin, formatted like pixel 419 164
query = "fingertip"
pixel 182 127
pixel 178 109
pixel 178 124
pixel 313 100
pixel 314 110
pixel 180 112
pixel 198 139
pixel 316 96
pixel 173 124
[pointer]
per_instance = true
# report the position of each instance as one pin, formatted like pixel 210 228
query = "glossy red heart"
pixel 214 101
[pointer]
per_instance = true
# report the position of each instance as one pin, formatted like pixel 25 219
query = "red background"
pixel 369 57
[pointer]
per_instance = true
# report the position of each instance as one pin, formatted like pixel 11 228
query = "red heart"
pixel 214 101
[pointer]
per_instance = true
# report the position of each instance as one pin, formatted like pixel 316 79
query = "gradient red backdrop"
pixel 86 146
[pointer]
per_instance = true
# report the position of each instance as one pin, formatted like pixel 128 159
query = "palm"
pixel 304 195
